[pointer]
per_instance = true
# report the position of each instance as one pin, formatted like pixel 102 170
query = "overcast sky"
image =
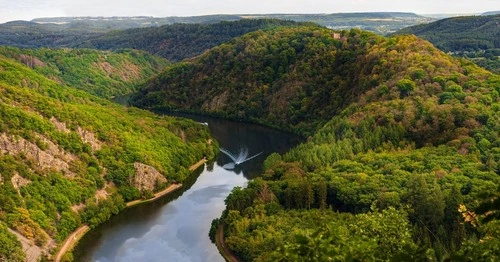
pixel 29 9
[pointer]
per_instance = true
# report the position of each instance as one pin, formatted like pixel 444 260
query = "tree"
pixel 405 86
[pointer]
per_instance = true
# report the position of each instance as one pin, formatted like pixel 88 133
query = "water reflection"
pixel 178 231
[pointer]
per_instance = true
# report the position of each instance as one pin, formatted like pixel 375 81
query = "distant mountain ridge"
pixel 492 13
pixel 474 37
pixel 460 33
pixel 72 31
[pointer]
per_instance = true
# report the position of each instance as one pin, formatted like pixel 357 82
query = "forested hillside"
pixel 402 156
pixel 102 73
pixel 295 78
pixel 78 31
pixel 475 37
pixel 180 41
pixel 26 34
pixel 455 34
pixel 68 158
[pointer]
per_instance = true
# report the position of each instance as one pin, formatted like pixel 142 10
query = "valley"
pixel 299 136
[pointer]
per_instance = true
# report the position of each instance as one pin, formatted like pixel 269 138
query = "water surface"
pixel 176 227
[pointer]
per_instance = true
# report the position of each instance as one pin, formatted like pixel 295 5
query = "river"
pixel 175 228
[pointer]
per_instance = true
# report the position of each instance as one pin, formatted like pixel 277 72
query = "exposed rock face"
pixel 51 157
pixel 61 126
pixel 217 103
pixel 31 61
pixel 147 177
pixel 19 181
pixel 86 136
pixel 89 138
pixel 32 251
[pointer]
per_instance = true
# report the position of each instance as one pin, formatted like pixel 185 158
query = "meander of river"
pixel 175 228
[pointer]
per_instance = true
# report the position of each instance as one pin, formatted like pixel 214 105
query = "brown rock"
pixel 51 157
pixel 89 138
pixel 147 177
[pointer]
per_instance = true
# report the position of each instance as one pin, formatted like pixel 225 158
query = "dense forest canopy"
pixel 179 41
pixel 403 144
pixel 68 157
pixel 475 37
pixel 401 160
pixel 72 31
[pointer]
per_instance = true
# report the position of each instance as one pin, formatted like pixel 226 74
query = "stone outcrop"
pixel 19 181
pixel 147 177
pixel 61 126
pixel 86 136
pixel 218 103
pixel 52 157
pixel 89 138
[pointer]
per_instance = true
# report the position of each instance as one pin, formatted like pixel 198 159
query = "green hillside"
pixel 296 78
pixel 403 145
pixel 100 32
pixel 474 37
pixel 456 34
pixel 69 158
pixel 102 73
pixel 179 41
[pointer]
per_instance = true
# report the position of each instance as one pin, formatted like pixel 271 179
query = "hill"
pixel 491 13
pixel 33 35
pixel 126 22
pixel 457 34
pixel 179 41
pixel 403 144
pixel 377 22
pixel 102 73
pixel 203 32
pixel 473 37
pixel 68 157
pixel 284 77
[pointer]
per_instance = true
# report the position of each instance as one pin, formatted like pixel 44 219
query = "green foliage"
pixel 10 248
pixel 62 145
pixel 405 87
pixel 298 78
pixel 473 37
pixel 182 40
pixel 213 229
pixel 373 236
pixel 459 33
pixel 415 135
pixel 105 74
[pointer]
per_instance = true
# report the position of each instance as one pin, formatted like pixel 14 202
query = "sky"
pixel 30 9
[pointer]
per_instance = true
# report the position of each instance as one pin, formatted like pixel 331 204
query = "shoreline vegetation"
pixel 72 240
pixel 226 253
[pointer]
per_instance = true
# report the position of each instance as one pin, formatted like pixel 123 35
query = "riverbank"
pixel 198 164
pixel 71 241
pixel 160 194
pixel 221 245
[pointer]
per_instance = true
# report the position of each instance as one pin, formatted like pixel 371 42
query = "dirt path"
pixel 74 237
pixel 223 249
pixel 165 191
pixel 199 163
pixel 71 240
